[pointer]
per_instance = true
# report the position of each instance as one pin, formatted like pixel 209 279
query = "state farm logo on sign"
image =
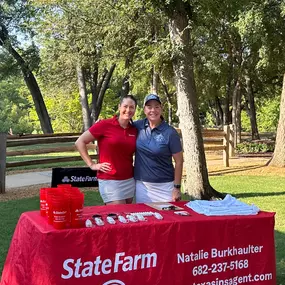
pixel 79 179
pixel 119 263
pixel 114 282
pixel 65 179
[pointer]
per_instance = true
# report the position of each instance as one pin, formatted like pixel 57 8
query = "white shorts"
pixel 147 192
pixel 115 190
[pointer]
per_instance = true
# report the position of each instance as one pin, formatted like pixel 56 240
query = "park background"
pixel 63 64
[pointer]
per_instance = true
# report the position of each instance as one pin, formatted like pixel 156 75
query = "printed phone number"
pixel 219 267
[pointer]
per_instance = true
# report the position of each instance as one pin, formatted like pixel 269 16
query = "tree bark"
pixel 228 88
pixel 213 111
pixel 129 59
pixel 98 90
pixel 102 91
pixel 216 111
pixel 155 77
pixel 278 159
pixel 95 95
pixel 125 86
pixel 93 86
pixel 168 98
pixel 251 109
pixel 83 97
pixel 220 111
pixel 236 113
pixel 30 81
pixel 197 184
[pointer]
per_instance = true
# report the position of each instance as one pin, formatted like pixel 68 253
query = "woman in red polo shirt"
pixel 116 139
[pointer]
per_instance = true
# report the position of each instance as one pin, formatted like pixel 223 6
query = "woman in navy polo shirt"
pixel 157 180
pixel 117 142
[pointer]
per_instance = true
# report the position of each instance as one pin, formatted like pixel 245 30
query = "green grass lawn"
pixel 21 158
pixel 267 192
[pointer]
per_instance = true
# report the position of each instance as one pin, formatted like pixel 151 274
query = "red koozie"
pixel 76 209
pixel 43 200
pixel 68 192
pixel 59 212
pixel 51 192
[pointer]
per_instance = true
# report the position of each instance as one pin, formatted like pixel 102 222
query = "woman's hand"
pixel 176 195
pixel 103 167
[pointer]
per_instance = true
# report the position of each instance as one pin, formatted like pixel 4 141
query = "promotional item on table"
pixel 228 206
pixel 142 244
pixel 63 208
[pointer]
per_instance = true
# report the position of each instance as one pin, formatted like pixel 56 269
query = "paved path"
pixel 44 177
pixel 27 179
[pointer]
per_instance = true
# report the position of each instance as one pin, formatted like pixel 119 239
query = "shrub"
pixel 255 147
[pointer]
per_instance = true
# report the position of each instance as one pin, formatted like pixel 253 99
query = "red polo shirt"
pixel 116 146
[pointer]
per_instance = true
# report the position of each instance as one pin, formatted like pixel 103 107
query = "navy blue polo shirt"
pixel 154 150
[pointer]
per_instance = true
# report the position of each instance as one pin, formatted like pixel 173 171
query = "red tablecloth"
pixel 190 250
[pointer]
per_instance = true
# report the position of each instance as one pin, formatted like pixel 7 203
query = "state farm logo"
pixel 114 282
pixel 121 262
pixel 73 178
pixel 65 179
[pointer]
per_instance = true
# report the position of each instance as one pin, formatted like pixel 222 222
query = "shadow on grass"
pixel 254 194
pixel 234 170
pixel 256 155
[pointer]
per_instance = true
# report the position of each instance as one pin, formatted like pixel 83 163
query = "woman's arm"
pixel 81 145
pixel 178 158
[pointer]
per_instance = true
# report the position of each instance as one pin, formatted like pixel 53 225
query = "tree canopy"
pixel 77 57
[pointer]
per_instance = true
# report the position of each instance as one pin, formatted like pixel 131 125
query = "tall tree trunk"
pixel 30 81
pixel 228 88
pixel 197 184
pixel 93 86
pixel 102 91
pixel 154 83
pixel 220 111
pixel 234 115
pixel 251 109
pixel 168 98
pixel 213 111
pixel 83 97
pixel 98 90
pixel 125 86
pixel 216 111
pixel 279 151
pixel 95 95
pixel 126 80
pixel 129 59
pixel 238 112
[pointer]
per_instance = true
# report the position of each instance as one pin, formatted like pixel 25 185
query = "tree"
pixel 71 43
pixel 14 105
pixel 6 43
pixel 197 184
pixel 279 151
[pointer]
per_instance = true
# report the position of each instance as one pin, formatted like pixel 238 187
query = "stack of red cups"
pixel 63 206
pixel 43 200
